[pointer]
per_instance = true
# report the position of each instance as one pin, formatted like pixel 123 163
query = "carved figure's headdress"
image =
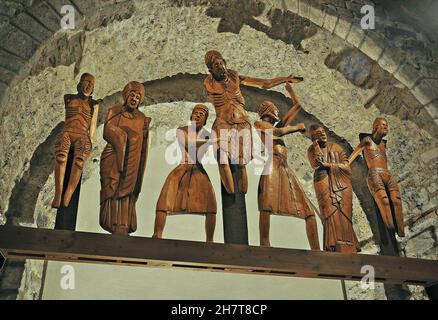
pixel 267 108
pixel 203 108
pixel 210 56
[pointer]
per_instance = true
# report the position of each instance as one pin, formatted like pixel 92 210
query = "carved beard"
pixel 219 75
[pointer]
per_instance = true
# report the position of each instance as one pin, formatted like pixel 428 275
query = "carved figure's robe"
pixel 279 191
pixel 122 168
pixel 334 193
pixel 188 189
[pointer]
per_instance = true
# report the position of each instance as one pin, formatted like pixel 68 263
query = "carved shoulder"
pixel 262 125
pixel 68 98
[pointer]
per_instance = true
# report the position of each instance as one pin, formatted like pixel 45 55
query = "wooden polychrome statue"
pixel 381 181
pixel 333 188
pixel 223 90
pixel 279 191
pixel 187 189
pixel 76 139
pixel 123 161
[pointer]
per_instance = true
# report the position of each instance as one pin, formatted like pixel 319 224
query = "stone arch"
pixel 343 19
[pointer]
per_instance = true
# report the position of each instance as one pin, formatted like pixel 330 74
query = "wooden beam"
pixel 73 246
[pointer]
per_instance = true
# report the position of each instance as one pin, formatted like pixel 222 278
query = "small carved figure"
pixel 381 182
pixel 223 90
pixel 333 188
pixel 123 161
pixel 188 189
pixel 279 191
pixel 77 137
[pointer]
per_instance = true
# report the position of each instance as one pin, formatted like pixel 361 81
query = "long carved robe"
pixel 122 168
pixel 279 191
pixel 334 193
pixel 188 189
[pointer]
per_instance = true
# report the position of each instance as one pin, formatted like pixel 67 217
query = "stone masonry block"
pixel 317 13
pixel 356 35
pixel 342 28
pixel 407 75
pixel 426 91
pixel 373 45
pixel 304 8
pixel 292 5
pixel 330 20
pixel 432 109
pixel 391 59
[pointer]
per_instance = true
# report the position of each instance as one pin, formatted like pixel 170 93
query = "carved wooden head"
pixel 216 65
pixel 268 109
pixel 381 126
pixel 133 94
pixel 86 84
pixel 199 115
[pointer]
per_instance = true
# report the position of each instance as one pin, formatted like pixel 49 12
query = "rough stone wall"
pixel 163 39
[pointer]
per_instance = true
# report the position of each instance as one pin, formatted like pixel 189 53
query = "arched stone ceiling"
pixel 404 42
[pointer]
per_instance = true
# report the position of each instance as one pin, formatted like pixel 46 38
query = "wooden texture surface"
pixel 73 246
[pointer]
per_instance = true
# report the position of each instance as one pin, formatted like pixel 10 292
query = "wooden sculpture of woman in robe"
pixel 123 161
pixel 279 192
pixel 332 182
pixel 188 189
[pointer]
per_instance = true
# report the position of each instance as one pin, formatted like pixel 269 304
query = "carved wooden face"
pixel 319 134
pixel 133 99
pixel 86 86
pixel 381 126
pixel 219 69
pixel 199 116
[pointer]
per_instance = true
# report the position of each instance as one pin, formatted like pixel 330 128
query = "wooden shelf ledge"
pixel 86 247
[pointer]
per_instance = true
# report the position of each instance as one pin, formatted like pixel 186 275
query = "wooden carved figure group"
pixel 188 189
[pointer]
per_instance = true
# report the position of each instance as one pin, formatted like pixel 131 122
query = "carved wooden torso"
pixel 78 113
pixel 375 154
pixel 227 98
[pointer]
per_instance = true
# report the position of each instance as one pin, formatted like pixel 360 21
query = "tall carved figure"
pixel 223 90
pixel 333 188
pixel 123 161
pixel 279 191
pixel 76 139
pixel 381 182
pixel 188 189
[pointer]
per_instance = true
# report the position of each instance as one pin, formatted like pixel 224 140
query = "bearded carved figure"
pixel 223 90
pixel 334 191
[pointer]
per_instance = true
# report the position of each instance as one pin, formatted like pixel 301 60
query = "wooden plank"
pixel 73 246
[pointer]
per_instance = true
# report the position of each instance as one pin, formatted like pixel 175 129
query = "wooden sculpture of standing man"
pixel 123 161
pixel 76 139
pixel 223 90
pixel 381 182
pixel 333 188
pixel 279 191
pixel 188 189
